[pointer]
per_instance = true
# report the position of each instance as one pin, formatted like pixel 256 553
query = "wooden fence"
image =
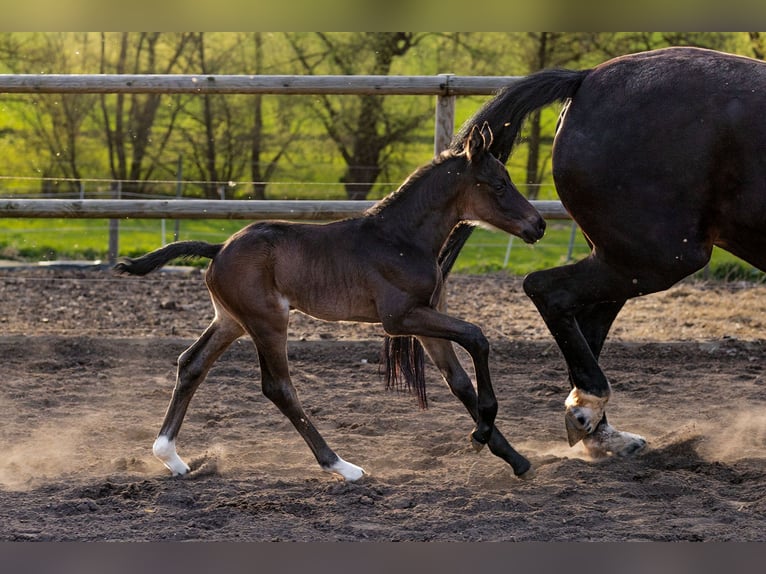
pixel 444 86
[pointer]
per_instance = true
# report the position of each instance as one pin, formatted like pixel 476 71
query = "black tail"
pixel 404 356
pixel 159 257
pixel 405 367
pixel 505 114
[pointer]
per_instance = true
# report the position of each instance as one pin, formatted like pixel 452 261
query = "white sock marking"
pixel 348 471
pixel 165 450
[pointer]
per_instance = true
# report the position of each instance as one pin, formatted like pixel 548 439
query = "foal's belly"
pixel 334 308
pixel 328 293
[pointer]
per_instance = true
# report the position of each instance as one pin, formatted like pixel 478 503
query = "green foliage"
pixel 64 138
pixel 486 250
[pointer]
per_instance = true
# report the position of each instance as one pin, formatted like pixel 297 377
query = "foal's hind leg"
pixel 270 337
pixel 193 366
pixel 443 355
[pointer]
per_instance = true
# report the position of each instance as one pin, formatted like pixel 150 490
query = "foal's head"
pixel 492 197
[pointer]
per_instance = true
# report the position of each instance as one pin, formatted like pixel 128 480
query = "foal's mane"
pixel 427 175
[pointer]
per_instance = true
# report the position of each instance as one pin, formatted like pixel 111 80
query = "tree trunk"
pixel 256 173
pixel 533 141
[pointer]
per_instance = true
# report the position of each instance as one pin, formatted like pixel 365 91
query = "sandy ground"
pixel 89 364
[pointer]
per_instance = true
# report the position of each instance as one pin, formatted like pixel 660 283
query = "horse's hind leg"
pixel 594 322
pixel 269 334
pixel 193 366
pixel 443 355
pixel 578 304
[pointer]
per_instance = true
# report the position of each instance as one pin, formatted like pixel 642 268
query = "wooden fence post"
pixel 444 123
pixel 114 227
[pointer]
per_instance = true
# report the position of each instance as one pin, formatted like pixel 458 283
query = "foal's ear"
pixel 478 142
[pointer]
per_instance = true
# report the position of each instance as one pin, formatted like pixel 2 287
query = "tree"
pixel 365 132
pixel 134 149
pixel 757 44
pixel 57 121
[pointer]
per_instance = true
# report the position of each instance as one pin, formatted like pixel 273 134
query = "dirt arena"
pixel 89 363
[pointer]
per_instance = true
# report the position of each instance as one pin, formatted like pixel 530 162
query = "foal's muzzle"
pixel 533 230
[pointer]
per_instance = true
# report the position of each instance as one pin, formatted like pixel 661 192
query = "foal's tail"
pixel 505 114
pixel 159 257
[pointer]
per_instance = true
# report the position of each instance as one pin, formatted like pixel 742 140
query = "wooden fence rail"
pixel 444 86
pixel 306 210
pixel 438 85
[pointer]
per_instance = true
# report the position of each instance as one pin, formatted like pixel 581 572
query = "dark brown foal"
pixel 380 267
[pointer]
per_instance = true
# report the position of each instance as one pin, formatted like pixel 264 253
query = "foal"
pixel 380 267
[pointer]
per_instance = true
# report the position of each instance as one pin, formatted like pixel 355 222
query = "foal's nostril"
pixel 538 230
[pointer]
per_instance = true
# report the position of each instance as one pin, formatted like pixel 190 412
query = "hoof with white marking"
pixel 349 472
pixel 607 440
pixel 165 450
pixel 583 413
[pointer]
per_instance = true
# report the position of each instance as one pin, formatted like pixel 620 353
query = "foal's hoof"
pixel 165 450
pixel 477 442
pixel 349 472
pixel 528 475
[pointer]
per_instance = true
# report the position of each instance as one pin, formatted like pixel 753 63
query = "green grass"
pixel 486 251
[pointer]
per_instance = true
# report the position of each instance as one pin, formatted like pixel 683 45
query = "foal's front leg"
pixel 444 357
pixel 427 322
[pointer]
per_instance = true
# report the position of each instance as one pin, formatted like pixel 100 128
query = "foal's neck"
pixel 426 207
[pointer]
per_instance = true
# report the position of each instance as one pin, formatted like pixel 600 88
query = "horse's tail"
pixel 405 366
pixel 506 112
pixel 404 356
pixel 159 257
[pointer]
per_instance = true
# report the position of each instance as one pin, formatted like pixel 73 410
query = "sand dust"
pixel 89 364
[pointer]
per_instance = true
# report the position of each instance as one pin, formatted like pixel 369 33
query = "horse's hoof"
pixel 633 444
pixel 608 441
pixel 584 411
pixel 575 429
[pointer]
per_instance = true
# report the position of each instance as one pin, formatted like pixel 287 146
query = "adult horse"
pixel 658 157
pixel 380 267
